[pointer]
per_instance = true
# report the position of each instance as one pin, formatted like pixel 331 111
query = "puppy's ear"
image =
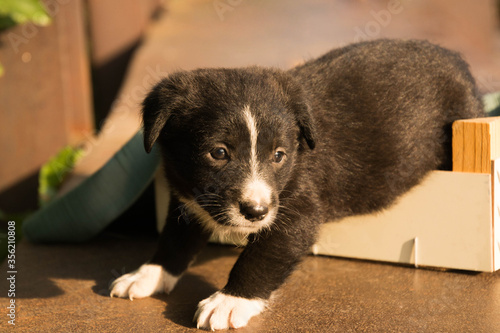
pixel 296 101
pixel 173 94
pixel 154 117
pixel 305 120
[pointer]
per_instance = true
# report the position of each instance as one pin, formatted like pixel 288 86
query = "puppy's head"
pixel 230 139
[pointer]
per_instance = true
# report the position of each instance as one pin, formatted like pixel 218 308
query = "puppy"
pixel 270 155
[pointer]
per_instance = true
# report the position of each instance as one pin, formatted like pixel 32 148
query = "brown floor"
pixel 64 288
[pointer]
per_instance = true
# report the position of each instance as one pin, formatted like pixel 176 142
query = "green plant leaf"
pixel 14 12
pixel 53 173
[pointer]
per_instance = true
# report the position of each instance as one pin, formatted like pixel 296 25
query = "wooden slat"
pixel 45 100
pixel 475 144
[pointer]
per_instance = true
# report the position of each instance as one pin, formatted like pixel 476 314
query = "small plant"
pixel 53 173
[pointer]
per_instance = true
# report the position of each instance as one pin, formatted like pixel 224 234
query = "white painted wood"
pixel 496 212
pixel 449 213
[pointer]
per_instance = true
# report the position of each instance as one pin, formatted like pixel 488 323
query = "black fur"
pixel 361 125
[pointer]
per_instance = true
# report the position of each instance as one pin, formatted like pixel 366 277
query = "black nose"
pixel 253 211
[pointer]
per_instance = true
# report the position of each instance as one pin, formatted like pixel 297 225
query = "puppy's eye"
pixel 279 156
pixel 219 154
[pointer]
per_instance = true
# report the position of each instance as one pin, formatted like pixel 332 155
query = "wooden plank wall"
pixel 113 45
pixel 46 93
pixel 45 98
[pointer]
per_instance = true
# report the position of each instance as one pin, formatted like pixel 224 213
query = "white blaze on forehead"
pixel 254 134
pixel 255 189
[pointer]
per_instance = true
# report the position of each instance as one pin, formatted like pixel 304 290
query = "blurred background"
pixel 74 72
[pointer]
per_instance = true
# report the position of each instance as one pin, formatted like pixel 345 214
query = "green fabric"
pixel 86 210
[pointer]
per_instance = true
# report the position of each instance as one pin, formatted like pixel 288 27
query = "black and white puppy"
pixel 271 154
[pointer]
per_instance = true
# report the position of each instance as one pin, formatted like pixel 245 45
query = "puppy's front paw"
pixel 149 279
pixel 221 311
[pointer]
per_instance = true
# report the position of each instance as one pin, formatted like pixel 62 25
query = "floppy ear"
pixel 154 117
pixel 305 120
pixel 296 100
pixel 174 93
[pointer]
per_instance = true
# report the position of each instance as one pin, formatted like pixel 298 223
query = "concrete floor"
pixel 63 288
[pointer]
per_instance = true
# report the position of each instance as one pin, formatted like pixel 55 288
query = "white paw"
pixel 221 311
pixel 149 279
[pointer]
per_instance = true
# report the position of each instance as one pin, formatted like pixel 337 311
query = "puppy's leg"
pixel 180 241
pixel 262 268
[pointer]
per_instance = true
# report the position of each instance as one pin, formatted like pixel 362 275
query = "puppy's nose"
pixel 253 211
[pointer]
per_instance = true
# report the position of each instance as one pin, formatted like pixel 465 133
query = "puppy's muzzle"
pixel 253 211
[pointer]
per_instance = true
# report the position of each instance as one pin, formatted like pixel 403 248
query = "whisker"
pixel 211 205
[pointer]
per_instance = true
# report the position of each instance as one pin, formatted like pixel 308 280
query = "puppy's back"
pixel 406 70
pixel 384 111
